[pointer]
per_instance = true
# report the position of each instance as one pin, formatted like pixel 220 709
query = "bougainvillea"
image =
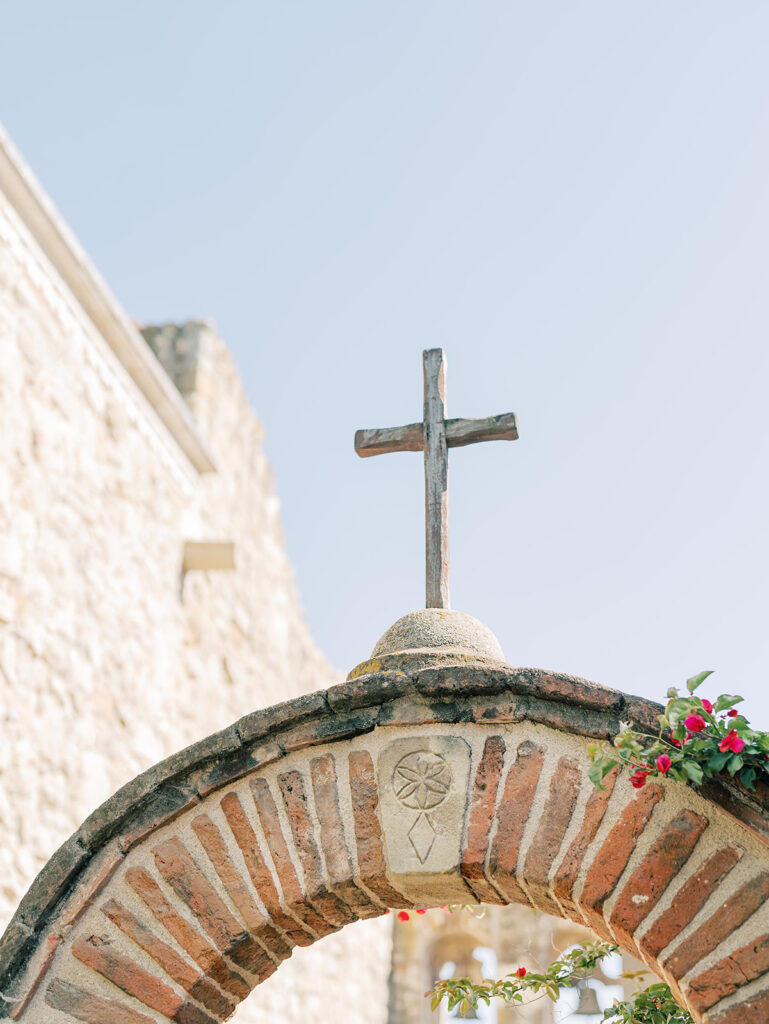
pixel 697 740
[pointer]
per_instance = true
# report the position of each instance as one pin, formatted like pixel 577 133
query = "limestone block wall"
pixel 110 660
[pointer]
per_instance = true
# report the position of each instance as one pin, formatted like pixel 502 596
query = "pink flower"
pixel 707 705
pixel 731 742
pixel 521 972
pixel 694 723
pixel 675 742
pixel 663 763
pixel 421 911
pixel 638 779
pixel 403 915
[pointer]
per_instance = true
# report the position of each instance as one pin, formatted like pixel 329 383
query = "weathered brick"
pixel 481 818
pixel 327 730
pixel 50 949
pixel 53 881
pixel 409 712
pixel 165 805
pixel 366 691
pixel 724 978
pixel 258 871
pixel 226 770
pixel 460 680
pixel 94 880
pixel 266 721
pixel 569 718
pixel 188 937
pixel 294 795
pixel 754 1010
pixel 726 919
pixel 91 1009
pixel 504 708
pixel 368 833
pixel 15 945
pixel 567 872
pixel 689 901
pixel 175 966
pixel 177 867
pixel 546 844
pixel 667 855
pixel 281 858
pixel 213 843
pixel 333 844
pixel 512 815
pixel 610 861
pixel 98 954
pixel 565 689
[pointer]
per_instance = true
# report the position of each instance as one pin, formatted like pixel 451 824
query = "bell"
pixel 588 1003
pixel 472 1014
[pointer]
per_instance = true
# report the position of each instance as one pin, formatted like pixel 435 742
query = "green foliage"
pixel 652 1005
pixel 697 740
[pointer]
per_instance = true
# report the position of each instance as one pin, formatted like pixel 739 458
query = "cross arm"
pixel 459 432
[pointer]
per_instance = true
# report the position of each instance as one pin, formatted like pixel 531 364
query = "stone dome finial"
pixel 431 636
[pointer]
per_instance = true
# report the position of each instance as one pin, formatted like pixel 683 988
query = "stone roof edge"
pixel 447 694
pixel 41 218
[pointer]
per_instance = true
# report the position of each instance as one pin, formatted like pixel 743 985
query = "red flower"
pixel 663 763
pixel 694 723
pixel 731 742
pixel 707 705
pixel 421 911
pixel 403 915
pixel 521 972
pixel 732 712
pixel 675 742
pixel 638 779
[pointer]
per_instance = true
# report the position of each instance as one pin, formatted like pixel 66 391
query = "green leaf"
pixel 727 700
pixel 734 765
pixel 717 761
pixel 693 771
pixel 748 777
pixel 698 680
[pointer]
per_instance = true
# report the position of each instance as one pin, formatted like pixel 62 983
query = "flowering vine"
pixel 697 740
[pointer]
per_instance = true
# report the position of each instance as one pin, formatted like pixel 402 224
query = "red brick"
pixel 480 819
pixel 368 833
pixel 567 872
pixel 333 844
pixel 98 954
pixel 175 966
pixel 289 880
pixel 726 919
pixel 754 1010
pixel 730 974
pixel 88 888
pixel 188 937
pixel 512 814
pixel 177 867
pixel 260 874
pixel 237 889
pixel 49 953
pixel 689 901
pixel 302 829
pixel 546 844
pixel 611 860
pixel 91 1009
pixel 668 854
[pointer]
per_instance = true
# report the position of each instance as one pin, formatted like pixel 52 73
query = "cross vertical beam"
pixel 436 480
pixel 433 437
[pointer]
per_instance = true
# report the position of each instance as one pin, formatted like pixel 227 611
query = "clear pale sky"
pixel 571 198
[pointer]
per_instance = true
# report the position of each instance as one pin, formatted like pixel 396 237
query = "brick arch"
pixel 193 883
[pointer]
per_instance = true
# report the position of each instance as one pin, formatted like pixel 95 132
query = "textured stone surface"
pixel 103 645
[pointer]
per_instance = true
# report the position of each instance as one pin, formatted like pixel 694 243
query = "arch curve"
pixel 461 783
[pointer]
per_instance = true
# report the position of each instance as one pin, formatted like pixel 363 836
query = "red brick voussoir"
pixel 194 882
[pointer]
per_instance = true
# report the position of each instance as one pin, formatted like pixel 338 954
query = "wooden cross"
pixel 434 436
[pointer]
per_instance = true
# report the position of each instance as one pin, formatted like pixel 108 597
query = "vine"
pixel 697 740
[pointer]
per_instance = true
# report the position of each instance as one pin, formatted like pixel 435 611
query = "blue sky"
pixel 571 199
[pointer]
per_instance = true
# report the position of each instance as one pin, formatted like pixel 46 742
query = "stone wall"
pixel 110 659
